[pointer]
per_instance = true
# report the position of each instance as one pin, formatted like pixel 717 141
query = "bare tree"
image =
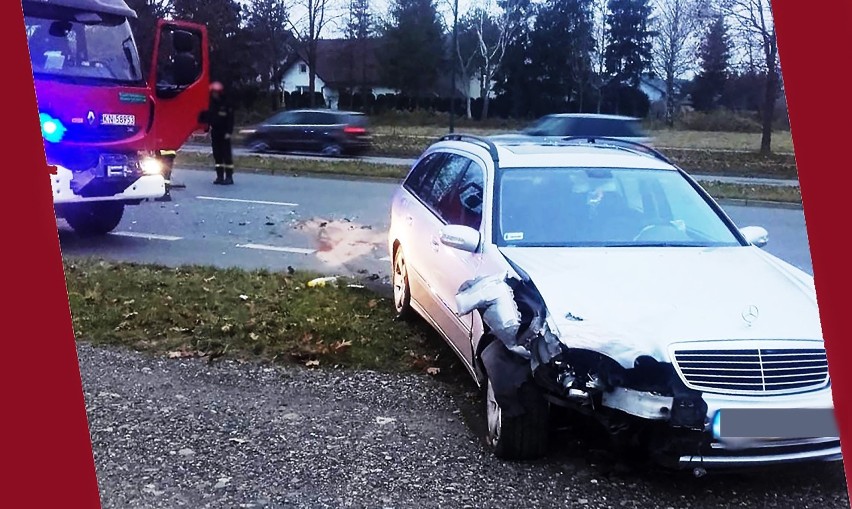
pixel 676 25
pixel 317 16
pixel 467 53
pixel 599 33
pixel 753 21
pixel 494 32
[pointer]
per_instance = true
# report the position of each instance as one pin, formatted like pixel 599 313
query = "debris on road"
pixel 342 242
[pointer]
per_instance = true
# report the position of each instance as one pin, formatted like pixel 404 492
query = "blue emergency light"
pixel 52 129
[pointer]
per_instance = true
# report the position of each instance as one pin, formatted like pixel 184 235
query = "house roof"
pixel 345 62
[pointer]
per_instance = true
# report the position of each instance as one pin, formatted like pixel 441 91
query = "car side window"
pixel 465 204
pixel 440 194
pixel 283 118
pixel 422 174
pixel 318 118
pixel 298 118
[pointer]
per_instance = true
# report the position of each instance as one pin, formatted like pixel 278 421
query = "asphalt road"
pixel 274 222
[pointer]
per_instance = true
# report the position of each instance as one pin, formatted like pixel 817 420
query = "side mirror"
pixel 463 238
pixel 755 235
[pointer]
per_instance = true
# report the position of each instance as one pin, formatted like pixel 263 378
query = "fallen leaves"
pixel 213 313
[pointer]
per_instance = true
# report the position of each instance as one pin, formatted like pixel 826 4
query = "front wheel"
pixel 259 146
pixel 95 218
pixel 401 288
pixel 522 437
pixel 332 149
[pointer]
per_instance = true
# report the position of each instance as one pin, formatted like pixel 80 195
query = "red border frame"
pixel 47 451
pixel 813 43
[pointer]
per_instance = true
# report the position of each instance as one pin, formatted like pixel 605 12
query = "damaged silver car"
pixel 594 274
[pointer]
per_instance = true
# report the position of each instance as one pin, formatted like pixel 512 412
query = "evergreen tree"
pixel 629 50
pixel 560 49
pixel 714 56
pixel 413 50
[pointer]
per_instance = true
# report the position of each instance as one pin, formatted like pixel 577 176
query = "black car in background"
pixel 330 132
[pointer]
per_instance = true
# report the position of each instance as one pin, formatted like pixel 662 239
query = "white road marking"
pixel 149 236
pixel 258 202
pixel 263 247
pixel 385 259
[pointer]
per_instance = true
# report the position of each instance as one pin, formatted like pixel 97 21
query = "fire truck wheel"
pixel 98 218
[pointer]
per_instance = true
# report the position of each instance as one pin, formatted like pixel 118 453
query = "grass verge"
pixel 295 166
pixel 777 194
pixel 247 315
pixel 270 165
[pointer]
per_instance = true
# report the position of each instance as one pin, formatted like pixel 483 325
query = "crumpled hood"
pixel 625 302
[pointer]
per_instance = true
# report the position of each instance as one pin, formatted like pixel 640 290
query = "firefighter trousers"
pixel 223 157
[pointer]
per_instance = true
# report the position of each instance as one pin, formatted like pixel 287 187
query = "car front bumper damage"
pixel 648 399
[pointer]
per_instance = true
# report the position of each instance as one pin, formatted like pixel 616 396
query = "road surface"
pixel 273 222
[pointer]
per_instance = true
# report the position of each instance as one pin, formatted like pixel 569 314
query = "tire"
pixel 524 437
pixel 332 149
pixel 96 218
pixel 401 288
pixel 259 146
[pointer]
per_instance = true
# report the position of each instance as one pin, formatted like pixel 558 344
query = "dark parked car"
pixel 330 132
pixel 581 124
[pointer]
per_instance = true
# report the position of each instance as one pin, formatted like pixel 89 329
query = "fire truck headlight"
pixel 151 166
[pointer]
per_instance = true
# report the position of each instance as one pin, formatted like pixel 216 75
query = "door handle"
pixel 435 244
pixel 409 219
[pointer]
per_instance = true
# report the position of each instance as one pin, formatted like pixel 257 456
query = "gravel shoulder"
pixel 185 433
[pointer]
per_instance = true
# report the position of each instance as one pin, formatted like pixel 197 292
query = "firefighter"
pixel 221 121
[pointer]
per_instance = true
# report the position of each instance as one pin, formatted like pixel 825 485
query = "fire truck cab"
pixel 105 118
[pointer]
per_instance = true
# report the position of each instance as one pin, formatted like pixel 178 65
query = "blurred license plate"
pixel 114 119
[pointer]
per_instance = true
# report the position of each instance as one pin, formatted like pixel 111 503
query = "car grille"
pixel 753 371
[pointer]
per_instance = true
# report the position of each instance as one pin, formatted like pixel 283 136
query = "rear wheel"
pixel 96 218
pixel 523 437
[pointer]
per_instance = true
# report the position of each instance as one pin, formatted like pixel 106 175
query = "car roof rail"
pixel 480 140
pixel 618 143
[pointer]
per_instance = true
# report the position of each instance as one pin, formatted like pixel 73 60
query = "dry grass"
pixel 254 315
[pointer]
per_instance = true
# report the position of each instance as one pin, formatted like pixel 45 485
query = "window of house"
pixel 303 68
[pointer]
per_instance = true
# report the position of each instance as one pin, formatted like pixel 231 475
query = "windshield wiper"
pixel 664 244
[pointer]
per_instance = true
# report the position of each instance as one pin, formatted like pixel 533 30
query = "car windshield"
pixel 575 207
pixel 74 45
pixel 547 126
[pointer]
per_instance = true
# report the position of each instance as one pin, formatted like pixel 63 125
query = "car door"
pixel 313 130
pixel 410 216
pixel 274 130
pixel 454 197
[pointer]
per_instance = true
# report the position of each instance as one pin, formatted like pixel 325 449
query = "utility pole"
pixel 453 65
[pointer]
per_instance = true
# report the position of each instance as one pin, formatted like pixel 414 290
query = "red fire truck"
pixel 106 120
